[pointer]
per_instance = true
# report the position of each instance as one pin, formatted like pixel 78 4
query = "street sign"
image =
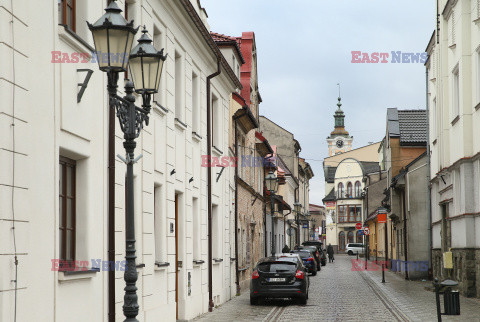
pixel 358 225
pixel 382 218
pixel 360 232
pixel 366 231
pixel 305 226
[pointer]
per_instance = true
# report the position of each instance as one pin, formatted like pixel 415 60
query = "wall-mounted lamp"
pixel 191 179
pixel 172 172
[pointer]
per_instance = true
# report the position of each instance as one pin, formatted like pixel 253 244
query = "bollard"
pixel 357 255
pixel 437 299
pixel 383 272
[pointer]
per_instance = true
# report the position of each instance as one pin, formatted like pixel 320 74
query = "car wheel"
pixel 350 253
pixel 303 300
pixel 314 273
pixel 253 300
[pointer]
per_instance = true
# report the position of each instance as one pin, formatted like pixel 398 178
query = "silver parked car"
pixel 353 248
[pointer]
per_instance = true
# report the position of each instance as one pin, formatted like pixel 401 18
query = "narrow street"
pixel 337 294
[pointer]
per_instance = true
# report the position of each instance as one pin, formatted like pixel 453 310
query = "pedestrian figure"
pixel 330 253
pixel 286 249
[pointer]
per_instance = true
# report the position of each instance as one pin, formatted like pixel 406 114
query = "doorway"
pixel 341 241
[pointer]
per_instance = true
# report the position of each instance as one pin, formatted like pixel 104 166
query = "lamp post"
pixel 271 181
pixel 298 208
pixel 113 38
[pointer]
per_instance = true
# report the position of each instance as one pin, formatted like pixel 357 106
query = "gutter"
pixel 209 184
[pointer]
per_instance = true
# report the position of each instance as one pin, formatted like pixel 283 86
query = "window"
pixel 66 13
pixel 456 93
pixel 351 214
pixel 216 233
pixel 340 190
pixel 179 93
pixel 195 103
pixel 216 122
pixel 158 43
pixel 358 212
pixel 350 237
pixel 358 189
pixel 67 208
pixel 341 214
pixel 434 119
pixel 349 190
pixel 159 222
pixel 478 75
pixel 196 229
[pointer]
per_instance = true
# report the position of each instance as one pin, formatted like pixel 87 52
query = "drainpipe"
pixel 265 218
pixel 429 187
pixel 209 186
pixel 237 278
pixel 405 226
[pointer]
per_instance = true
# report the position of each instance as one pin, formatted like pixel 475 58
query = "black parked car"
pixel 308 259
pixel 313 243
pixel 316 254
pixel 279 277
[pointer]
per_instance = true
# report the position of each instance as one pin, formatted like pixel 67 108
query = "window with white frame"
pixel 159 97
pixel 455 92
pixel 196 229
pixel 195 103
pixel 179 92
pixel 478 74
pixel 433 118
pixel 216 122
pixel 159 222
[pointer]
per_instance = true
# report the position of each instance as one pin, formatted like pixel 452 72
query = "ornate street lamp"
pixel 146 65
pixel 113 38
pixel 271 182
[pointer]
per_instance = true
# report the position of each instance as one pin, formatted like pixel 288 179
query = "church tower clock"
pixel 339 140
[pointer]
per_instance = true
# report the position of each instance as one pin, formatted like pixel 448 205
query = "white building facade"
pixel 453 71
pixel 54 151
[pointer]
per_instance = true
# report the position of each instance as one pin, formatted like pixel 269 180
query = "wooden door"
pixel 341 241
pixel 176 254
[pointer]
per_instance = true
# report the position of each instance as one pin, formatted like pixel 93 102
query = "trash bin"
pixel 451 298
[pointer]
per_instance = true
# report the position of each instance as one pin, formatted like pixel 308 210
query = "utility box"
pixel 448 260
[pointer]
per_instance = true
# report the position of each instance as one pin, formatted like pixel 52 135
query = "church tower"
pixel 339 140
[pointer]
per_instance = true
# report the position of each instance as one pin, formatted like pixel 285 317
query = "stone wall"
pixel 466 269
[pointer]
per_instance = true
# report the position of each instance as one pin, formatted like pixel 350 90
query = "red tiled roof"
pixel 221 37
pixel 224 40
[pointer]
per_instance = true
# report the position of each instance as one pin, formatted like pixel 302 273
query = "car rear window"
pixel 304 254
pixel 277 267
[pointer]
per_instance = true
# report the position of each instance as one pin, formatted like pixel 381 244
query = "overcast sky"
pixel 304 49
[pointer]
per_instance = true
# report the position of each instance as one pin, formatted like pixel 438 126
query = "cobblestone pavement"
pixel 339 294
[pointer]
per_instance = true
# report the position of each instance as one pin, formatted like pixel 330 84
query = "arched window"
pixel 340 190
pixel 359 237
pixel 350 237
pixel 358 189
pixel 341 241
pixel 349 190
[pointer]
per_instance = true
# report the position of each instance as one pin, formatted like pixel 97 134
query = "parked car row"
pixel 285 275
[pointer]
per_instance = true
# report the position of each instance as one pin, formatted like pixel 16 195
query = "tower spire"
pixel 339 104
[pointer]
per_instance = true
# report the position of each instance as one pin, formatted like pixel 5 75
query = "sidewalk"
pixel 416 303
